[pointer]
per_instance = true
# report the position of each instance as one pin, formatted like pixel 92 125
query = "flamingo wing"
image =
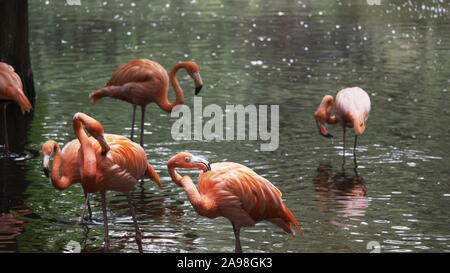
pixel 125 163
pixel 245 197
pixel 354 102
pixel 114 177
pixel 141 70
pixel 138 82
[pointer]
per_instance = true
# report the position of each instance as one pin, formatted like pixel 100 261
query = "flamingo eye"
pixel 187 159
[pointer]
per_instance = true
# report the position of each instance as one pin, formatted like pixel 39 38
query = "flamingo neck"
pixel 88 159
pixel 328 109
pixel 175 176
pixel 60 183
pixel 328 106
pixel 199 202
pixel 165 104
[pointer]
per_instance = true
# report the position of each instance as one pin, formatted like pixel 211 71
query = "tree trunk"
pixel 14 47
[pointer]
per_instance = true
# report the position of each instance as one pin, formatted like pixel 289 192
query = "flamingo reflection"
pixel 342 192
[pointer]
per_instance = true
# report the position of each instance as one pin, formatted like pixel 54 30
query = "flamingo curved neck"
pixel 88 159
pixel 166 105
pixel 199 202
pixel 177 178
pixel 60 183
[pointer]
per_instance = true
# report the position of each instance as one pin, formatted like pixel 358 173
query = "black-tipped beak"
pixel 328 135
pixel 46 172
pixel 203 162
pixel 197 89
pixel 198 82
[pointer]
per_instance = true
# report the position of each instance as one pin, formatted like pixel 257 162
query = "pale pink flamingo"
pixel 351 110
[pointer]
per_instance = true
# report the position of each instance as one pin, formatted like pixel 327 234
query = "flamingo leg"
pixel 132 122
pixel 354 150
pixel 86 200
pixel 343 149
pixel 105 222
pixel 142 126
pixel 237 242
pixel 89 207
pixel 87 204
pixel 136 226
pixel 5 146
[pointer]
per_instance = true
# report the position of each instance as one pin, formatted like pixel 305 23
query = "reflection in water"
pixel 11 226
pixel 12 187
pixel 342 192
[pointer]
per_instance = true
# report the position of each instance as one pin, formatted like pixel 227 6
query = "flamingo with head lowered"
pixel 143 81
pixel 112 162
pixel 233 191
pixel 11 89
pixel 351 110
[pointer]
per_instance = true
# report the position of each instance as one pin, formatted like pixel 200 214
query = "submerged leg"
pixel 132 122
pixel 354 150
pixel 87 205
pixel 343 149
pixel 142 126
pixel 5 146
pixel 86 201
pixel 237 240
pixel 136 226
pixel 89 208
pixel 105 223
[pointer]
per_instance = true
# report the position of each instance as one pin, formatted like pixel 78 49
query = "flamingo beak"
pixel 323 130
pixel 204 164
pixel 198 82
pixel 46 172
pixel 45 164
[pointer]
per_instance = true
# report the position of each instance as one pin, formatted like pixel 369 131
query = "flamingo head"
pixel 188 161
pixel 94 128
pixel 359 125
pixel 49 148
pixel 194 71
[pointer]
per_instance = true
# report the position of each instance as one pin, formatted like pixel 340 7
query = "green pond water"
pixel 286 53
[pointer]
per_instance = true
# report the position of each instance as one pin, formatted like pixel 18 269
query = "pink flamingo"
pixel 112 162
pixel 351 110
pixel 143 81
pixel 233 191
pixel 11 89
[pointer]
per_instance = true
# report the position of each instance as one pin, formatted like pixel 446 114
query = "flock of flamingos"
pixel 104 162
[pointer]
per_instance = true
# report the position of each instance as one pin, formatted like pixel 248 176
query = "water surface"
pixel 287 53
